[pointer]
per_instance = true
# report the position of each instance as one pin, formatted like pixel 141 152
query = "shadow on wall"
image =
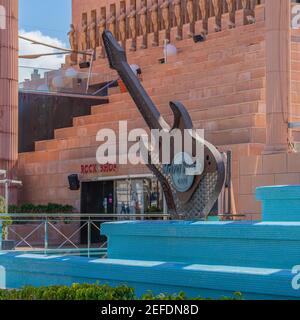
pixel 40 114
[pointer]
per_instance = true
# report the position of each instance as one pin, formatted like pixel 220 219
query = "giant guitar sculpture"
pixel 198 195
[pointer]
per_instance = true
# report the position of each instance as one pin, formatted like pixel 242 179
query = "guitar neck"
pixel 141 98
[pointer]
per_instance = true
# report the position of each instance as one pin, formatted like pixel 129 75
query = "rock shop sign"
pixel 93 168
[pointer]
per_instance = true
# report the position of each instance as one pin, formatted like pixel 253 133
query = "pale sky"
pixel 51 17
pixel 46 21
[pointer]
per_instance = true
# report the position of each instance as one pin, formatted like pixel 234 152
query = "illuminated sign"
pixel 98 168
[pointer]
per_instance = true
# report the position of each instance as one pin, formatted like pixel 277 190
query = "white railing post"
pixel 46 238
pixel 89 236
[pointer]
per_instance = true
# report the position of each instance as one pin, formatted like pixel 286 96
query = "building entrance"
pixel 96 198
pixel 121 196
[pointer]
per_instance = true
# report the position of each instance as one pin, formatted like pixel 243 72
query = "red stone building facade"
pixel 241 85
pixel 9 89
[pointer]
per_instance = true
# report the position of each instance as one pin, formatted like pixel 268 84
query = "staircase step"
pixel 193 106
pixel 195 280
pixel 232 118
pixel 222 88
pixel 237 41
pixel 83 137
pixel 212 101
pixel 218 123
pixel 237 136
pixel 243 121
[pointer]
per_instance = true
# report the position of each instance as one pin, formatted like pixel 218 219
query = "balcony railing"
pixel 67 81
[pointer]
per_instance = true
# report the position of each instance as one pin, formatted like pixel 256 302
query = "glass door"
pixel 138 196
pixel 129 196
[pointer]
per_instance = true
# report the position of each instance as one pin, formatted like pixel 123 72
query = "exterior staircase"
pixel 220 81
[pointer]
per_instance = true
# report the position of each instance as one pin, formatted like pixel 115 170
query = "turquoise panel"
pixel 280 203
pixel 244 244
pixel 158 276
pixel 0 234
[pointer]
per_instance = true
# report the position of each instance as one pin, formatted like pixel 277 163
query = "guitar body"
pixel 187 196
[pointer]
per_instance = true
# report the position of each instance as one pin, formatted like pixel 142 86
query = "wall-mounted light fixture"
pixel 199 38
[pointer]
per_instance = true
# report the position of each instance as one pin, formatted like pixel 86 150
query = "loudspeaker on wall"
pixel 74 183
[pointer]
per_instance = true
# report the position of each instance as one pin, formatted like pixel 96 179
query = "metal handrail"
pixel 66 244
pixel 84 215
pixel 44 223
pixel 105 87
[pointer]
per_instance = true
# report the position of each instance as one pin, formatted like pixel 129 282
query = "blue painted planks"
pixel 280 203
pixel 267 245
pixel 159 276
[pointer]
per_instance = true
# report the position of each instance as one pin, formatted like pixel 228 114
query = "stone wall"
pixel 9 90
pixel 265 170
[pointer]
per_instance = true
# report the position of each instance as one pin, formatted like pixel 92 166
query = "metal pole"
pixel 89 237
pixel 166 48
pixel 6 208
pixel 228 180
pixel 6 196
pixel 5 182
pixel 51 46
pixel 46 239
pixel 90 72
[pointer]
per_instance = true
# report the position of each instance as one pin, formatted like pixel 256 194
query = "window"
pixel 138 196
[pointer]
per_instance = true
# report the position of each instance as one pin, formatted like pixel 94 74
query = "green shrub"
pixel 13 209
pixel 154 209
pixel 182 296
pixel 29 208
pixel 74 292
pixel 91 292
pixel 49 208
pixel 150 296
